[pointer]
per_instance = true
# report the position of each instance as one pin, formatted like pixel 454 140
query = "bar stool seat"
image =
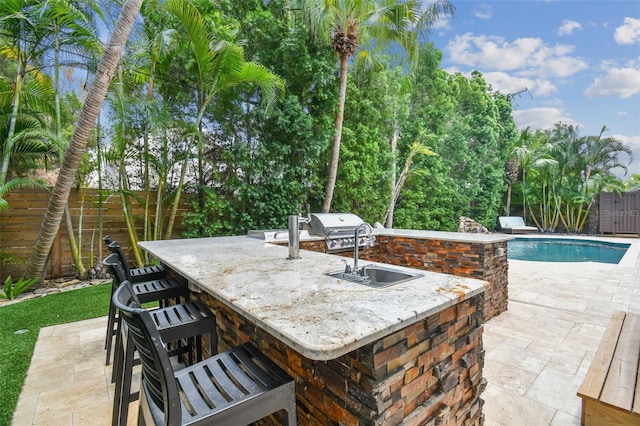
pixel 149 291
pixel 236 387
pixel 136 275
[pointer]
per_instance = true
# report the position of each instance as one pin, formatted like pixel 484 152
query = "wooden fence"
pixel 20 224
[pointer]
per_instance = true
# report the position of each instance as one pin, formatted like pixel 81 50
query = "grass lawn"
pixel 16 349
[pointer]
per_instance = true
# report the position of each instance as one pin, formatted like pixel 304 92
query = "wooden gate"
pixel 619 214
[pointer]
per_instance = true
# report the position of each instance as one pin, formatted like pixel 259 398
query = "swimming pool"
pixel 565 250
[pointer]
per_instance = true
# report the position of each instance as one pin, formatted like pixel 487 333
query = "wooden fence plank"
pixel 20 225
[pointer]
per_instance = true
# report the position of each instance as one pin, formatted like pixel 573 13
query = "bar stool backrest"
pixel 115 248
pixel 115 268
pixel 159 385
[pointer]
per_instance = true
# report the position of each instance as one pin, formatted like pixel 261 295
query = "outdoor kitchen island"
pixel 410 353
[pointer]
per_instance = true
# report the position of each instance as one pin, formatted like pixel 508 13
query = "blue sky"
pixel 579 60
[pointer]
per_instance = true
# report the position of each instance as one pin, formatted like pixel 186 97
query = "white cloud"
pixel 483 12
pixel 541 118
pixel 543 87
pixel 443 23
pixel 619 82
pixel 628 32
pixel 529 55
pixel 568 27
pixel 632 142
pixel 507 83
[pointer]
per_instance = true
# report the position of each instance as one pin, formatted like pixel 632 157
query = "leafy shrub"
pixel 12 289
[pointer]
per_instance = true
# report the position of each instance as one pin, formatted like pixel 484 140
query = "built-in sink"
pixel 377 276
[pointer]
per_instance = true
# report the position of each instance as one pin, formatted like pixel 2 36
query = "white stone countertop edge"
pixel 281 235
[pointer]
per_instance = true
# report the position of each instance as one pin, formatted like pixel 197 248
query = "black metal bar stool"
pixel 149 291
pixel 175 323
pixel 136 275
pixel 236 387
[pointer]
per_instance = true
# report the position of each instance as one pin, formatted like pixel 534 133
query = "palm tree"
pixel 25 104
pixel 530 154
pixel 30 148
pixel 511 174
pixel 351 24
pixel 80 138
pixel 158 42
pixel 219 66
pixel 20 42
pixel 590 170
pixel 70 27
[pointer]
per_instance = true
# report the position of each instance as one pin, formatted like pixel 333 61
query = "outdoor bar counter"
pixel 409 353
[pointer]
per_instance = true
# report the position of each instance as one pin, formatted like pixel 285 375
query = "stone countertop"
pixel 319 316
pixel 444 236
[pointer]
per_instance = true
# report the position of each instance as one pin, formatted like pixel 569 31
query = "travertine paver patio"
pixel 536 353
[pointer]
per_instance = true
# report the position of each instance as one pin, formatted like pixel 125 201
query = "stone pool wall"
pixel 429 373
pixel 472 259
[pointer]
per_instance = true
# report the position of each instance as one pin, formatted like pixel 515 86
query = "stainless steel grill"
pixel 338 230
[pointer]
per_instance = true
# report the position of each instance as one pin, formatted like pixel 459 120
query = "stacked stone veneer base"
pixel 429 373
pixel 484 261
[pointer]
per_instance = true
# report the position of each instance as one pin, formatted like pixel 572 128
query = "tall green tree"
pixel 68 27
pixel 20 42
pixel 429 200
pixel 156 44
pixel 353 24
pixel 29 145
pixel 471 129
pixel 272 161
pixel 563 172
pixel 585 167
pixel 219 66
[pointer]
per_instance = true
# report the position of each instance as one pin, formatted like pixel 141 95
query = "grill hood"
pixel 329 224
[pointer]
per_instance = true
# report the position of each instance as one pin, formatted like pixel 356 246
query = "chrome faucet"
pixel 369 239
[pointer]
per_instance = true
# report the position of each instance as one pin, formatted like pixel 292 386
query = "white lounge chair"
pixel 515 225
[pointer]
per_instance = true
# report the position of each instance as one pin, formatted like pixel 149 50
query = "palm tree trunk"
pixel 398 187
pixel 126 211
pixel 176 200
pixel 81 271
pixel 75 249
pixel 147 235
pixel 100 194
pixel 335 153
pixel 394 162
pixel 15 103
pixel 80 138
pixel 508 208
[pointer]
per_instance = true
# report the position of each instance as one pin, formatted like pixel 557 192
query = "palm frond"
pixel 196 32
pixel 271 86
pixel 15 183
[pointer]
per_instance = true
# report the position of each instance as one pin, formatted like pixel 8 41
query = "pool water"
pixel 565 250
